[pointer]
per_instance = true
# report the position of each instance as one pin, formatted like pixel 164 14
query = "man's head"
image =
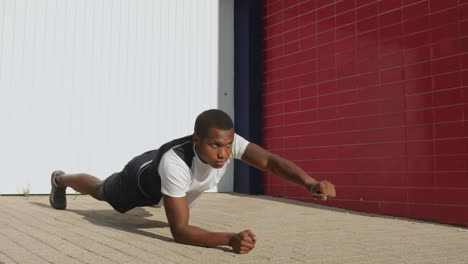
pixel 213 137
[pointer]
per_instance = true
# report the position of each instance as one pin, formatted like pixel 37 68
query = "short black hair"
pixel 212 118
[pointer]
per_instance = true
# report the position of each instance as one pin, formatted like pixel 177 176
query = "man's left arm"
pixel 264 160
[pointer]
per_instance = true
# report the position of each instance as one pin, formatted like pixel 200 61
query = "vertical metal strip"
pixel 248 67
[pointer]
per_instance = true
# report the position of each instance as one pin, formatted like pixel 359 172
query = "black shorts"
pixel 122 190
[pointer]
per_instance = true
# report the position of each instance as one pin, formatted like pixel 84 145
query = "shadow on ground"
pixel 341 210
pixel 132 221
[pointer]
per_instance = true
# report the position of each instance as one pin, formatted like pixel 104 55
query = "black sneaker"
pixel 57 197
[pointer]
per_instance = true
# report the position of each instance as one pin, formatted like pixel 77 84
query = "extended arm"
pixel 177 213
pixel 264 160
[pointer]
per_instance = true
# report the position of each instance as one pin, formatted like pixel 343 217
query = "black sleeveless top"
pixel 150 182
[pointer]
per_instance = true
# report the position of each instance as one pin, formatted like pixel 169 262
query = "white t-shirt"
pixel 178 180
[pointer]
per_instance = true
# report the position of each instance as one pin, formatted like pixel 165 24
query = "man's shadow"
pixel 132 221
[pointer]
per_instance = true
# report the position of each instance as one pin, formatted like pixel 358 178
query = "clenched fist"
pixel 322 190
pixel 243 242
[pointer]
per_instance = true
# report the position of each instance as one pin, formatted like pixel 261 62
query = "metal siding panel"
pixel 225 81
pixel 87 85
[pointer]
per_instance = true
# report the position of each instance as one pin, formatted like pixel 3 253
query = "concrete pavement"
pixel 90 231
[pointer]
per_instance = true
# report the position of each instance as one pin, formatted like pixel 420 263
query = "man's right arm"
pixel 177 213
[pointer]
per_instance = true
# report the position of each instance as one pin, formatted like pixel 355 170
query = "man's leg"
pixel 83 183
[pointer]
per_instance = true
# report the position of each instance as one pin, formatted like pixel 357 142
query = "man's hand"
pixel 243 242
pixel 322 190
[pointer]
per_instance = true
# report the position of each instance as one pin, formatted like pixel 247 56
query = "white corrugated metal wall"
pixel 86 85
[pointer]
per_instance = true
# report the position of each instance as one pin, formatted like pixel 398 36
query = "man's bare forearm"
pixel 290 172
pixel 196 236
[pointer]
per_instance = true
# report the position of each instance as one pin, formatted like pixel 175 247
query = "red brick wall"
pixel 373 96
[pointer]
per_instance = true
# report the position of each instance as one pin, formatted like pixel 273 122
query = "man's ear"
pixel 196 138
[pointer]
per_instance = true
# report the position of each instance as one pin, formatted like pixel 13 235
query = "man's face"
pixel 216 147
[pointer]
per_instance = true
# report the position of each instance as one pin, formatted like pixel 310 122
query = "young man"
pixel 177 173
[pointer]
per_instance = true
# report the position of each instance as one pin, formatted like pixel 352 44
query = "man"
pixel 176 174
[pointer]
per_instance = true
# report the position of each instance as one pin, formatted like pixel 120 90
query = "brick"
pixel 452 179
pixel 326 75
pixel 445 32
pixel 345 46
pixel 424 211
pixel 416 40
pixel 367 25
pixel 326 25
pixel 445 65
pixel 464 28
pixel 447 81
pixel 418 85
pixel 396 209
pixel 451 146
pixel 326 88
pixel 391 32
pixel 457 214
pixel 463 10
pixel 308 42
pixel 394 133
pixel 291 24
pixel 274 30
pixel 391 60
pixel 345 31
pixel 291 47
pixel 384 194
pixel 345 18
pixel 367 11
pixel 451 130
pixel 391 75
pixel 417 10
pixel 451 163
pixel 273 19
pixel 308 19
pixel 276 190
pixel 292 12
pixel 325 37
pixel 448 97
pixel 417 70
pixel 390 18
pixel 291 36
pixel 390 5
pixel 419 132
pixel 447 48
pixel 395 164
pixel 423 179
pixel 452 196
pixel 348 97
pixel 292 106
pixel 307 6
pixel 416 25
pixel 420 148
pixel 441 5
pixel 273 53
pixel 444 17
pixel 448 114
pixel 391 46
pixel 343 6
pixel 420 163
pixel 419 101
pixel 368 64
pixel 326 12
pixel 308 91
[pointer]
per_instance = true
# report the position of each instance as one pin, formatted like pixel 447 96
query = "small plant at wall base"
pixel 27 191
